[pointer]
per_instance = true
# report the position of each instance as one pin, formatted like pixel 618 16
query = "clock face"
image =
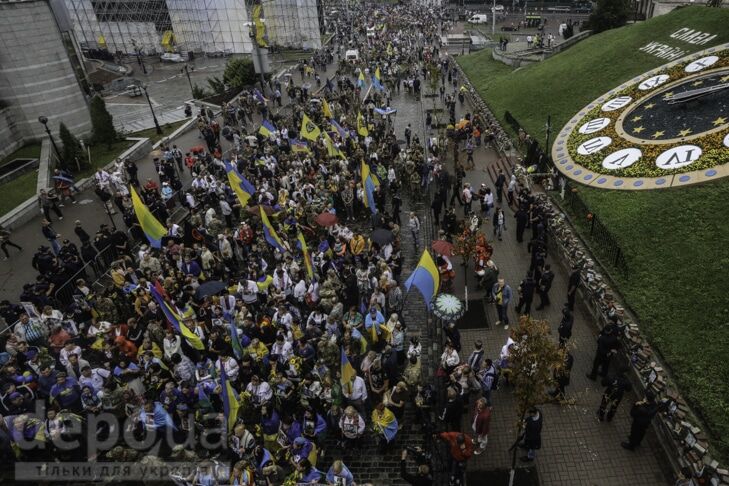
pixel 668 127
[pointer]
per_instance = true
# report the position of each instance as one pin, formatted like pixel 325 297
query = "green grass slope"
pixel 674 239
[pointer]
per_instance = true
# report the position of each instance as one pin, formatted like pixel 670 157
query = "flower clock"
pixel 666 128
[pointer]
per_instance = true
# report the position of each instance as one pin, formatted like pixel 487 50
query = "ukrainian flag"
pixel 425 277
pixel 362 125
pixel 325 109
pixel 339 128
pixel 361 80
pixel 270 233
pixel 332 150
pixel 346 371
pixel 307 256
pixel 240 185
pixel 174 320
pixel 299 146
pixel 267 128
pixel 231 404
pixel 369 182
pixel 235 340
pixel 153 229
pixel 385 423
pixel 377 80
pixel 309 130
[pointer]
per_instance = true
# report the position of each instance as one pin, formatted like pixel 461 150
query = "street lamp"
pixel 138 51
pixel 154 117
pixel 44 121
pixel 187 72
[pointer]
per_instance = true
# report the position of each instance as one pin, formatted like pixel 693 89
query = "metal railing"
pixel 601 240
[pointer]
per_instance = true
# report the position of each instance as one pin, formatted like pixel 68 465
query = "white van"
pixel 479 19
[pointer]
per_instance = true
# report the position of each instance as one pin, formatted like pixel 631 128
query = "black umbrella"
pixel 209 288
pixel 382 236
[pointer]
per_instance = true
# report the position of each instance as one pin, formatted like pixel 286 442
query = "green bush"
pixel 239 73
pixel 72 153
pixel 609 14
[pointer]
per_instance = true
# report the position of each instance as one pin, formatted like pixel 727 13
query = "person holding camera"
pixel 422 477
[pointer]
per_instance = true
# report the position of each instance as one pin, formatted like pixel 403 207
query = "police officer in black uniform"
pixel 642 412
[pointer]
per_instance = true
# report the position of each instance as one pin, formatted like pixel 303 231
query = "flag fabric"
pixel 332 150
pixel 361 80
pixel 259 96
pixel 175 321
pixel 267 128
pixel 346 370
pixel 153 229
pixel 299 146
pixel 339 128
pixel 369 183
pixel 389 48
pixel 309 130
pixel 307 256
pixel 260 27
pixel 270 233
pixel 231 403
pixel 240 185
pixel 377 80
pixel 325 109
pixel 425 277
pixel 385 423
pixel 234 340
pixel 362 125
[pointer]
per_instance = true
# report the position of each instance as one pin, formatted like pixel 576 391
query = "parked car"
pixel 171 57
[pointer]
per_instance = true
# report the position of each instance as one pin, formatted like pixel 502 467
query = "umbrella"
pixel 382 237
pixel 447 307
pixel 442 247
pixel 326 219
pixel 209 288
pixel 266 209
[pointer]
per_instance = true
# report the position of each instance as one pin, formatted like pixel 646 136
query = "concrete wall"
pixel 36 76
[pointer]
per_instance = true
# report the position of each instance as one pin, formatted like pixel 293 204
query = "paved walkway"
pixel 576 448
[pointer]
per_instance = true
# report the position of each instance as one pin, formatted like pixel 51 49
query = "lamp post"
pixel 187 72
pixel 44 121
pixel 151 108
pixel 138 51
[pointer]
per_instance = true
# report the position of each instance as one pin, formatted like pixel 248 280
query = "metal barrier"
pixel 602 241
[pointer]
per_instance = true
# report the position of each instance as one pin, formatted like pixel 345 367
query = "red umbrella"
pixel 442 247
pixel 326 219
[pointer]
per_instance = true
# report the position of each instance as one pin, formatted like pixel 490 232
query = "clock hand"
pixel 693 94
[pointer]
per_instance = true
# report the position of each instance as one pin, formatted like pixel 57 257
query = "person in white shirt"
pixel 352 426
pixel 229 364
pixel 68 350
pixel 414 225
pixel 449 359
pixel 260 391
pixel 356 393
pixel 282 348
pixel 95 378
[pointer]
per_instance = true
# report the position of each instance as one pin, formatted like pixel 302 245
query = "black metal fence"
pixel 601 240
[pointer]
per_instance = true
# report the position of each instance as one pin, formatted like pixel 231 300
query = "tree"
pixel 102 123
pixel 239 73
pixel 609 14
pixel 532 360
pixel 217 85
pixel 72 153
pixel 198 92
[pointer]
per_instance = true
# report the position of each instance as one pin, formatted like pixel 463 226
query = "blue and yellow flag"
pixel 153 229
pixel 425 277
pixel 299 146
pixel 176 322
pixel 362 125
pixel 339 128
pixel 369 183
pixel 346 370
pixel 325 109
pixel 259 96
pixel 307 256
pixel 389 49
pixel 229 396
pixel 267 128
pixel 309 130
pixel 270 233
pixel 240 185
pixel 377 80
pixel 235 340
pixel 385 423
pixel 361 80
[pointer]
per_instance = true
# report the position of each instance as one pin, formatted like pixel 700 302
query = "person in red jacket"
pixel 481 425
pixel 460 450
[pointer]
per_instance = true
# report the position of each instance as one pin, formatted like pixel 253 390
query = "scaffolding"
pixel 198 26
